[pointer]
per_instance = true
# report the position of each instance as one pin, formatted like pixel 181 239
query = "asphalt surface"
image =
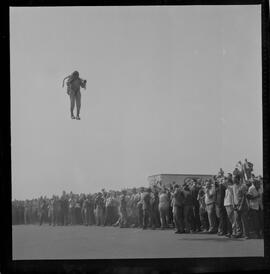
pixel 81 242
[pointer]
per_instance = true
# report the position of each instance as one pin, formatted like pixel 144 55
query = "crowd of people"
pixel 227 205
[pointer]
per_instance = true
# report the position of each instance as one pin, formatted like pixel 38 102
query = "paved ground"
pixel 80 242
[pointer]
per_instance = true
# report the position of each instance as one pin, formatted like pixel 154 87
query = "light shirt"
pixel 163 200
pixel 228 199
pixel 209 196
pixel 254 203
pixel 109 201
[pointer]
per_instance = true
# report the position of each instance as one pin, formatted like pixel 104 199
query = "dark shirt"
pixel 146 201
pixel 75 84
pixel 99 202
pixel 242 205
pixel 220 195
pixel 178 197
pixel 155 201
pixel 65 204
pixel 194 193
pixel 188 201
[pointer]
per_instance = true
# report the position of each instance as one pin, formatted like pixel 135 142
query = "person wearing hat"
pixel 74 83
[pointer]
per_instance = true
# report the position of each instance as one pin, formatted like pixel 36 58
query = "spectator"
pixel 188 209
pixel 241 209
pixel 123 210
pixel 220 208
pixel 253 196
pixel 202 211
pixel 195 187
pixel 146 207
pixel 154 212
pixel 99 206
pixel 178 209
pixel 229 206
pixel 210 206
pixel 163 208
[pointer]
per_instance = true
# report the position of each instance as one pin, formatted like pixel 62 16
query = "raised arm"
pixel 65 79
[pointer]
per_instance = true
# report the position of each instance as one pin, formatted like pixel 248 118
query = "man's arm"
pixel 65 79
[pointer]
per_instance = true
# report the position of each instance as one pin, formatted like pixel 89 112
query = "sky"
pixel 171 89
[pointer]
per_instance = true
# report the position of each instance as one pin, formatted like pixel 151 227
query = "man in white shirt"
pixel 229 206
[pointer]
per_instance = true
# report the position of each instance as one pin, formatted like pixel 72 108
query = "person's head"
pixel 229 176
pixel 187 186
pixel 75 74
pixel 148 190
pixel 216 182
pixel 201 192
pixel 236 179
pixel 256 183
pixel 249 182
pixel 162 190
pixel 176 186
pixel 229 181
pixel 208 184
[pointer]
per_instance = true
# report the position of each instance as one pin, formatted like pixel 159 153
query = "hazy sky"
pixel 170 90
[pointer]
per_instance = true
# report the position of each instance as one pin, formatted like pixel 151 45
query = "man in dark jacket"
pixel 146 207
pixel 241 209
pixel 220 208
pixel 196 226
pixel 178 209
pixel 188 209
pixel 65 208
pixel 154 210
